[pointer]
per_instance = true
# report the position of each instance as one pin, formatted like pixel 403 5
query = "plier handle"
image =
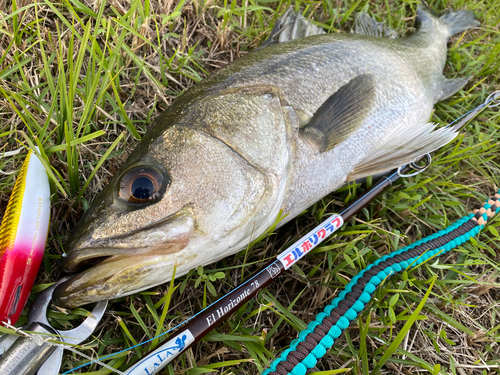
pixel 34 354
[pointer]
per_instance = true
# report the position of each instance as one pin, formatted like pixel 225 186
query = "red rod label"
pixel 310 241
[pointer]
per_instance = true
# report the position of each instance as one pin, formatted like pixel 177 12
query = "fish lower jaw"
pixel 66 298
pixel 117 276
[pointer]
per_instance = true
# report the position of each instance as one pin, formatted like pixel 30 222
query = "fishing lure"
pixel 23 235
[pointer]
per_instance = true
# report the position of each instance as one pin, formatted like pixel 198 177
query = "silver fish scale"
pixel 407 73
pixel 232 155
pixel 247 125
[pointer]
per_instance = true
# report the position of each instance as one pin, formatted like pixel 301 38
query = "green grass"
pixel 82 80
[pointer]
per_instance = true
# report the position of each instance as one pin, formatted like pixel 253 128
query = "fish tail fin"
pixel 450 22
pixel 457 21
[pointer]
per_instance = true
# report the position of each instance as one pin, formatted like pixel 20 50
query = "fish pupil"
pixel 142 188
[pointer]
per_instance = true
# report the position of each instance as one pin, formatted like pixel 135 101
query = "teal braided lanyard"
pixel 319 336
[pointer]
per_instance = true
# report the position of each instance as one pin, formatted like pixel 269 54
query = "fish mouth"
pixel 85 252
pixel 124 264
pixel 88 257
pixel 114 276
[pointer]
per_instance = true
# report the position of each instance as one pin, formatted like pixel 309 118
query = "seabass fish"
pixel 276 130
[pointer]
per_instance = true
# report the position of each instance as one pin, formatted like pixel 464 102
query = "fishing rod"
pixel 196 327
pixel 209 318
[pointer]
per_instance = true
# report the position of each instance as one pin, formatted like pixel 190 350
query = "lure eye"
pixel 141 185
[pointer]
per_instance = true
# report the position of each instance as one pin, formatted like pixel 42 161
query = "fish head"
pixel 179 201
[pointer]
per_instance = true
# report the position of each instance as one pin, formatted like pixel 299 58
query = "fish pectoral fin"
pixel 450 86
pixel 403 147
pixel 291 26
pixel 341 114
pixel 366 25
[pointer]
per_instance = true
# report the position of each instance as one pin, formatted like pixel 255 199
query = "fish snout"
pixel 162 237
pixel 114 277
pixel 123 264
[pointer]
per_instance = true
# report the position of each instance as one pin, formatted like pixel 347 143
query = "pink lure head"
pixel 23 234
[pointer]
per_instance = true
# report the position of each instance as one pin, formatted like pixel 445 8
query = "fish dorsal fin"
pixel 403 147
pixel 366 25
pixel 450 86
pixel 341 114
pixel 291 26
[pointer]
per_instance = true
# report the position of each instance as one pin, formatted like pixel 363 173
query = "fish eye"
pixel 141 185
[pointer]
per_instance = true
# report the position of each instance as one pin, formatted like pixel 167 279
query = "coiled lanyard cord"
pixel 315 341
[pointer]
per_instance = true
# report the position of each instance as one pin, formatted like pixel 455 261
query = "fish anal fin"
pixel 403 147
pixel 366 25
pixel 450 86
pixel 341 114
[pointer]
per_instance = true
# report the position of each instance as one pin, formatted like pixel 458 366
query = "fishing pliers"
pixel 34 354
